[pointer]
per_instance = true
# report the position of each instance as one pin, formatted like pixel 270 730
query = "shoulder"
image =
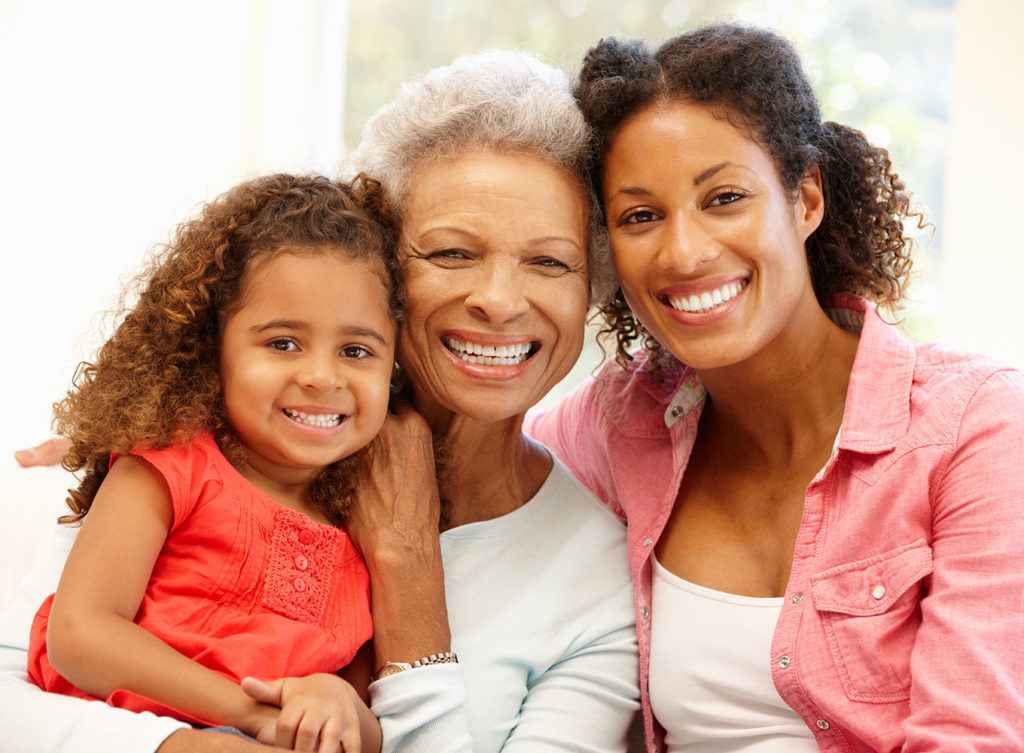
pixel 194 471
pixel 953 381
pixel 574 517
pixel 633 399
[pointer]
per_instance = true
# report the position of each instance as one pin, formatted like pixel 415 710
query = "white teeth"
pixel 709 299
pixel 488 355
pixel 321 420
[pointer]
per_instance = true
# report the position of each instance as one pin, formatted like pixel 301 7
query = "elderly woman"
pixel 825 518
pixel 513 628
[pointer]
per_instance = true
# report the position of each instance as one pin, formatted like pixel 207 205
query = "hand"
pixel 49 452
pixel 393 521
pixel 396 508
pixel 318 713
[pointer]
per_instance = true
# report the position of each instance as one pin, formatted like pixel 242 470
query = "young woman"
pixel 824 517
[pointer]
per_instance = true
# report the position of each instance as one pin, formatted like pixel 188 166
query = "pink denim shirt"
pixel 902 627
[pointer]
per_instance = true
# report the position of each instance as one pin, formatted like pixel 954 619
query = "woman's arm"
pixel 394 524
pixel 92 640
pixel 45 453
pixel 583 702
pixel 967 665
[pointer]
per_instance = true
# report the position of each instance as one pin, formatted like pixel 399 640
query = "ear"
pixel 810 203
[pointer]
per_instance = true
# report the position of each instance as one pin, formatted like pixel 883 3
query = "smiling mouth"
pixel 709 299
pixel 490 355
pixel 319 420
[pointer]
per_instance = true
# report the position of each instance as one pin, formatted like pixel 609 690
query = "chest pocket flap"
pixel 871 586
pixel 870 611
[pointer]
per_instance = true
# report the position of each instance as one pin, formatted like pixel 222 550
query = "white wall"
pixel 984 266
pixel 119 116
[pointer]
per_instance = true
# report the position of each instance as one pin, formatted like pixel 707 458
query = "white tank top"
pixel 710 682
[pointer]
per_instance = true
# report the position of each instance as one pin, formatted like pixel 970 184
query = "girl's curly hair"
pixel 156 381
pixel 753 78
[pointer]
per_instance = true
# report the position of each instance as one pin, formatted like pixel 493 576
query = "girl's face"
pixel 494 252
pixel 305 363
pixel 708 245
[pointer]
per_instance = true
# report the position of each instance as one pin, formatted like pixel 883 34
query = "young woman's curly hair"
pixel 156 381
pixel 753 78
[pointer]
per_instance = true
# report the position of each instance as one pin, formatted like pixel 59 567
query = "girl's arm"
pixel 92 639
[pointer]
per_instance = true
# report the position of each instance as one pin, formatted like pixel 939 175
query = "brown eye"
pixel 726 197
pixel 356 351
pixel 638 216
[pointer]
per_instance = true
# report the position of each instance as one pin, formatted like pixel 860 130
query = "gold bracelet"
pixel 394 667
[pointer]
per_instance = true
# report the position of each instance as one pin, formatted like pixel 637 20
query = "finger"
pixel 262 691
pixel 332 737
pixel 287 728
pixel 49 452
pixel 307 734
pixel 350 741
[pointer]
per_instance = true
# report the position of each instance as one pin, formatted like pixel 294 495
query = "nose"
pixel 686 245
pixel 322 372
pixel 498 291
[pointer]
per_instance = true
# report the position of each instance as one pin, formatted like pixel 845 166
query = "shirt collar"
pixel 877 413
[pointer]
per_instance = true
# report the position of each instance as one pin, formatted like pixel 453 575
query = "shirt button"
pixel 797 598
pixel 677 411
pixel 647 542
pixel 822 724
pixel 645 613
pixel 306 536
pixel 784 662
pixel 301 562
pixel 877 592
pixel 299 584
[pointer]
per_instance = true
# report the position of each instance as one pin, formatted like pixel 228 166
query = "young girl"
pixel 216 432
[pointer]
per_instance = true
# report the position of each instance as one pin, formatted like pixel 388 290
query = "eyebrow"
pixel 640 191
pixel 474 237
pixel 709 172
pixel 301 326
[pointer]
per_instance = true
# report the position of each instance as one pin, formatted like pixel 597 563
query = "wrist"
pixel 396 551
pixel 394 667
pixel 256 718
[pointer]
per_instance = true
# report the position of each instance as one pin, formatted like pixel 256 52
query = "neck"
pixel 486 468
pixel 290 492
pixel 787 400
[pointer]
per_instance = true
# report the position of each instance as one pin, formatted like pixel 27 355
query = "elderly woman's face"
pixel 494 250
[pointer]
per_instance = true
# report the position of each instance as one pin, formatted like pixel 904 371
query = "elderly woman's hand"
pixel 397 506
pixel 394 523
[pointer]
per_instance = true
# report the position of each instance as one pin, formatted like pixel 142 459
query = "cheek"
pixel 629 261
pixel 568 313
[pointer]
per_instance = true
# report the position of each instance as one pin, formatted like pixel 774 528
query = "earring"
pixel 397 378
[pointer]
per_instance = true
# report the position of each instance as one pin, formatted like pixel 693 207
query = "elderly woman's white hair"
pixel 492 99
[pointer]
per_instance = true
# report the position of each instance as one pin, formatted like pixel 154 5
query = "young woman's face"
pixel 305 362
pixel 494 252
pixel 708 245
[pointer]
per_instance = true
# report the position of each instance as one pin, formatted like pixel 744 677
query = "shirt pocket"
pixel 870 612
